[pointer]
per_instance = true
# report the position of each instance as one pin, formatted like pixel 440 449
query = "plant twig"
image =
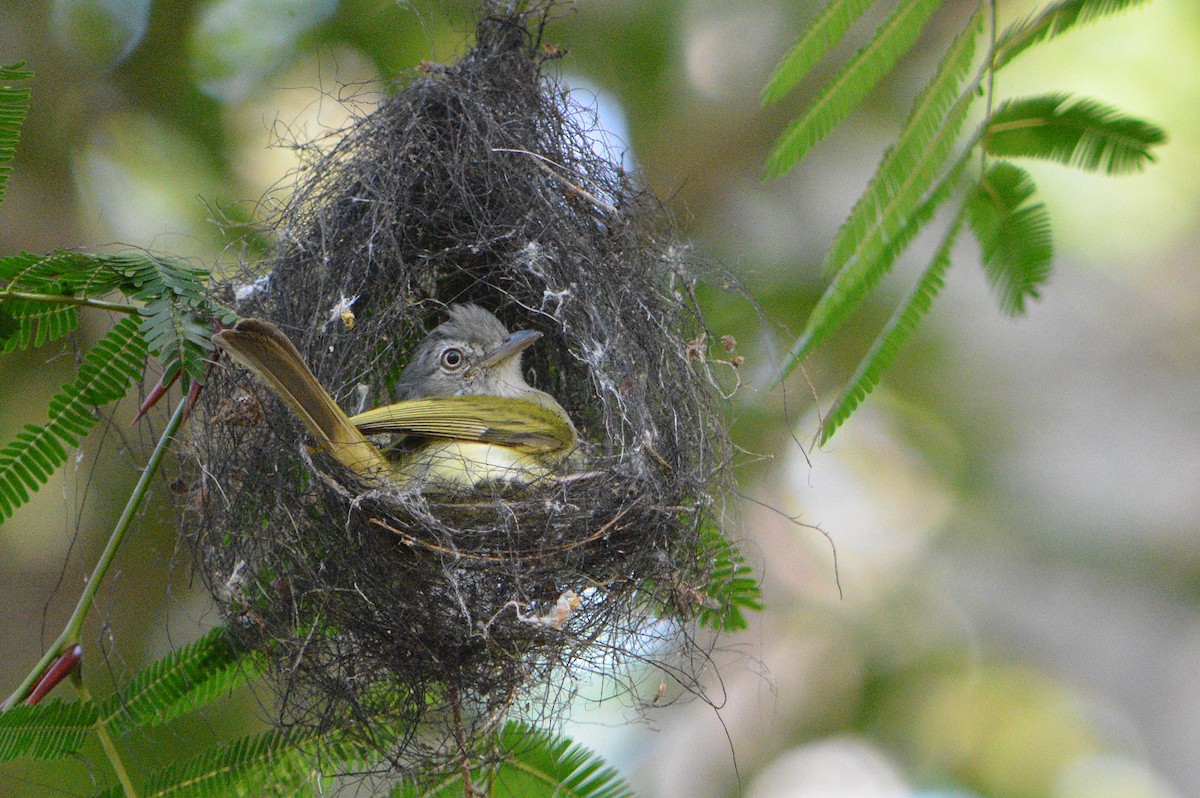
pixel 70 633
pixel 107 742
pixel 67 299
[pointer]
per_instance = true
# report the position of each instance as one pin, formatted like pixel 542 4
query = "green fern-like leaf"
pixel 14 105
pixel 51 282
pixel 532 764
pixel 1084 133
pixel 898 331
pixel 732 587
pixel 174 296
pixel 840 96
pixel 1013 233
pixel 1052 21
pixel 49 730
pixel 65 273
pixel 23 324
pixel 106 373
pixel 938 105
pixel 546 761
pixel 181 682
pixel 889 235
pixel 267 765
pixel 822 35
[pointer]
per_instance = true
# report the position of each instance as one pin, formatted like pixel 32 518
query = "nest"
pixel 419 622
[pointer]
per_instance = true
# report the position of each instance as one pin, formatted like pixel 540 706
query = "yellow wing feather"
pixel 522 424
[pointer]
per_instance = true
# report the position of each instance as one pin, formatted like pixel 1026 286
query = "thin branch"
pixel 107 742
pixel 70 633
pixel 66 299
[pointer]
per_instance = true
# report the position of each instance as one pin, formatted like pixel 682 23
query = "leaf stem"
pixel 989 101
pixel 106 741
pixel 70 633
pixel 67 299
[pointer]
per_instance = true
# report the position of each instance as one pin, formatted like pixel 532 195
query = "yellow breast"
pixel 465 464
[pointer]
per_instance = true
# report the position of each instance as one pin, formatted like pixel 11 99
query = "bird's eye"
pixel 452 358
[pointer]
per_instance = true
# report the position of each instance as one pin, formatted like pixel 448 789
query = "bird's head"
pixel 472 352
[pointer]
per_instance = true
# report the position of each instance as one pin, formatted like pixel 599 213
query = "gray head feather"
pixel 443 362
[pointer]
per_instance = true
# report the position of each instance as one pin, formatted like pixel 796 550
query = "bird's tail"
pixel 263 348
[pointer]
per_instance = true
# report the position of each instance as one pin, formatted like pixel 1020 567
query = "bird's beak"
pixel 513 345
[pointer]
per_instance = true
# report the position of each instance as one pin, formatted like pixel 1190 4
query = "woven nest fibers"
pixel 416 620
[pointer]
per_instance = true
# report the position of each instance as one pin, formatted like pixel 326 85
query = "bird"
pixel 466 415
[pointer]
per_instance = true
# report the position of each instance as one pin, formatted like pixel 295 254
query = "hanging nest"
pixel 418 622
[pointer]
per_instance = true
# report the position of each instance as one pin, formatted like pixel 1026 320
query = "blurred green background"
pixel 1015 511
